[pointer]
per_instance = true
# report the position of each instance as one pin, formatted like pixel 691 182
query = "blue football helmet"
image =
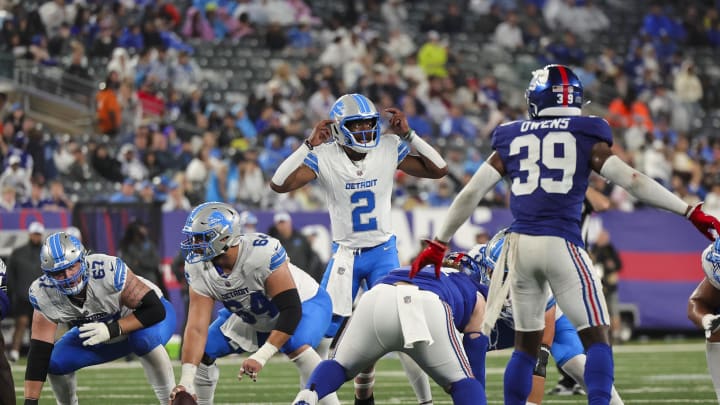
pixel 554 91
pixel 355 107
pixel 59 252
pixel 711 263
pixel 469 264
pixel 210 230
pixel 492 251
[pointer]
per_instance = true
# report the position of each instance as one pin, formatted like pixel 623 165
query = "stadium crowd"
pixel 162 137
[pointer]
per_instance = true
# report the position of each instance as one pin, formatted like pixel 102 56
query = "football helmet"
pixel 210 230
pixel 468 264
pixel 59 252
pixel 492 251
pixel 355 107
pixel 711 263
pixel 554 91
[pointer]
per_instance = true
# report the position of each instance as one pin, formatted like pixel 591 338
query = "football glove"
pixel 711 324
pixel 708 225
pixel 95 333
pixel 433 254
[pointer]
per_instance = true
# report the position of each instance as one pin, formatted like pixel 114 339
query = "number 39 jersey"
pixel 243 290
pixel 548 163
pixel 359 193
pixel 107 276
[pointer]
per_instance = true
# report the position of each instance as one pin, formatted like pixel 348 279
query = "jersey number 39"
pixel 545 151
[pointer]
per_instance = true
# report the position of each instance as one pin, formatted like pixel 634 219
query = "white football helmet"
pixel 210 230
pixel 59 252
pixel 355 107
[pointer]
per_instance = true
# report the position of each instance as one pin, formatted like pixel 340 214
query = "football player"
pixel 422 318
pixel 7 395
pixel 703 309
pixel 270 304
pixel 112 312
pixel 548 159
pixel 356 166
pixel 559 338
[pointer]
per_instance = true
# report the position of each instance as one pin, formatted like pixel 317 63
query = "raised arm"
pixel 292 172
pixel 428 163
pixel 648 190
pixel 41 346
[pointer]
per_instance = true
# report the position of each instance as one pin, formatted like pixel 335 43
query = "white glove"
pixel 711 324
pixel 94 333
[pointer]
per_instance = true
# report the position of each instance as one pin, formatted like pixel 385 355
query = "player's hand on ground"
pixel 707 224
pixel 94 333
pixel 321 133
pixel 711 324
pixel 250 368
pixel 433 254
pixel 398 121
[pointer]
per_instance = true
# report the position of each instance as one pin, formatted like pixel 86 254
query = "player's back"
pixel 548 162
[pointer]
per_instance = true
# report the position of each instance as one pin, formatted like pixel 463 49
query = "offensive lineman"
pixel 113 313
pixel 357 171
pixel 270 304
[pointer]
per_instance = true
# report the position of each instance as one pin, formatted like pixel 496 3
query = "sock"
pixel 476 349
pixel 65 388
pixel 159 372
pixel 323 348
pixel 712 354
pixel 327 377
pixel 599 374
pixel 518 378
pixel 367 401
pixel 364 383
pixel 468 392
pixel 419 381
pixel 306 363
pixel 575 368
pixel 206 379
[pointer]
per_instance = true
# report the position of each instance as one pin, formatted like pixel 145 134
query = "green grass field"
pixel 652 373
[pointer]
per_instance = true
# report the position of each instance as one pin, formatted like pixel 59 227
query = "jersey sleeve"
pixel 402 151
pixel 311 161
pixel 32 294
pixel 599 129
pixel 195 279
pixel 120 274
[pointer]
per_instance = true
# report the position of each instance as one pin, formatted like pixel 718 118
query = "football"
pixel 183 398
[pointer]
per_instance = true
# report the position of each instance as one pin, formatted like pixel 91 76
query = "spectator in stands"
pixel 77 66
pixel 624 111
pixel 458 124
pixel 443 195
pixel 126 193
pixel 146 193
pixel 689 92
pixel 108 109
pixel 140 254
pixel 296 245
pixel 57 200
pixel 433 56
pixel 275 37
pixel 105 165
pixel 36 200
pixel 246 182
pixel 16 177
pixel 59 44
pixel 394 14
pixel 23 268
pixel 8 199
pixel 104 43
pixel 80 170
pixel 186 74
pixel 176 200
pixel 453 21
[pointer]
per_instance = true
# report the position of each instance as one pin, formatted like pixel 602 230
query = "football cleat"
pixel 306 397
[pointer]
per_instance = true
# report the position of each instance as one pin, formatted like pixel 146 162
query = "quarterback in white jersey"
pixel 356 167
pixel 270 304
pixel 704 307
pixel 111 311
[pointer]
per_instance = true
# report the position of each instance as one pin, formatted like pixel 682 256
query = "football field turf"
pixel 652 373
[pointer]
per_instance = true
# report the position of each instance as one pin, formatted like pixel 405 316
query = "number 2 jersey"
pixel 548 163
pixel 243 290
pixel 359 194
pixel 107 276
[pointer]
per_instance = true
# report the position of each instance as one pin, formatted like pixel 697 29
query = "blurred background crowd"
pixel 201 100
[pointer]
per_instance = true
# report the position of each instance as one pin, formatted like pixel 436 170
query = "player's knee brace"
pixel 542 361
pixel 468 391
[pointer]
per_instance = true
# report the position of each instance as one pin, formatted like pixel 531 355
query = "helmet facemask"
pixel 60 254
pixel 346 111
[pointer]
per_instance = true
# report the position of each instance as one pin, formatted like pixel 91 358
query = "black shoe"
pixel 368 401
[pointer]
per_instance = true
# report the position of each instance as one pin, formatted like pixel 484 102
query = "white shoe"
pixel 306 397
pixel 13 356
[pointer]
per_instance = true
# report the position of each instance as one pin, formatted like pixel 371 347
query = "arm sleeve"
pixel 290 307
pixel 641 186
pixel 464 204
pixel 288 166
pixel 151 309
pixel 427 151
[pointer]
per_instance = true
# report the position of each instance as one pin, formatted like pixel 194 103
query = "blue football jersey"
pixel 548 164
pixel 454 288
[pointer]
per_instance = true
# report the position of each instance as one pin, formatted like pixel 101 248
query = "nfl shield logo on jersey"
pixel 341 270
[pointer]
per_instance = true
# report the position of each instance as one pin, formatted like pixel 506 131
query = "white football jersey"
pixel 359 193
pixel 243 290
pixel 106 280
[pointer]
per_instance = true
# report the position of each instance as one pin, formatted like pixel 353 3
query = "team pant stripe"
pixel 585 283
pixel 587 270
pixel 456 345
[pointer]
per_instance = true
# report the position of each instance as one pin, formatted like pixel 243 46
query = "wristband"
pixel 408 136
pixel 264 353
pixel 114 329
pixel 31 401
pixel 308 144
pixel 187 378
